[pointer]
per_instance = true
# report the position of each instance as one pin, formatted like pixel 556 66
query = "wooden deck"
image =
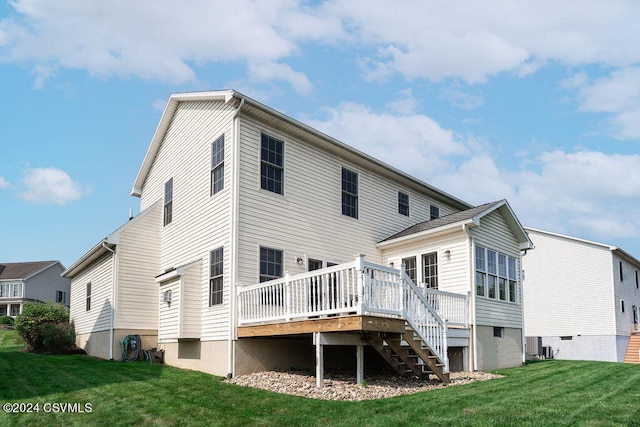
pixel 350 323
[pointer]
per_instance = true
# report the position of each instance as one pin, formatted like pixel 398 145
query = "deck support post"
pixel 359 363
pixel 360 272
pixel 319 360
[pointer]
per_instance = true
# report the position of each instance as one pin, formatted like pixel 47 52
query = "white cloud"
pixel 50 186
pixel 413 143
pixel 3 183
pixel 617 95
pixel 415 38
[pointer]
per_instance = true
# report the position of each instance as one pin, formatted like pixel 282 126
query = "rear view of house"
pixel 270 245
pixel 581 299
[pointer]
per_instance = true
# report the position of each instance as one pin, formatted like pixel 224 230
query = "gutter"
pixel 113 293
pixel 235 201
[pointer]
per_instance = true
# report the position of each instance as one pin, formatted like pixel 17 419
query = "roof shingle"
pixel 22 270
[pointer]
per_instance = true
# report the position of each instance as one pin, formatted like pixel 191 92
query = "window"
pixel 481 275
pixel 349 193
pixel 492 270
pixel 15 309
pixel 270 264
pixel 566 338
pixel 636 279
pixel 498 332
pixel 61 297
pixel 513 280
pixel 217 165
pixel 430 270
pixel 620 269
pixel 11 290
pixel 410 267
pixel 216 276
pixel 3 310
pixel 403 203
pixel 88 302
pixel 168 202
pixel 271 164
pixel 496 275
pixel 622 306
pixel 434 212
pixel 502 277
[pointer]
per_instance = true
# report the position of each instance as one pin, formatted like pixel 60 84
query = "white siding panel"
pixel 568 288
pixel 169 313
pixel 626 290
pixel 453 271
pixel 138 254
pixel 191 307
pixel 307 219
pixel 98 318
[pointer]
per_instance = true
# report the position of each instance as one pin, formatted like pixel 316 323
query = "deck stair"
pixel 633 349
pixel 407 353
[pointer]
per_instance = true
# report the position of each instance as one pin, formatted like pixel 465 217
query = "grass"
pixel 549 393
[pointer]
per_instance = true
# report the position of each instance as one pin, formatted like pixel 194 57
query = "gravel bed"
pixel 339 386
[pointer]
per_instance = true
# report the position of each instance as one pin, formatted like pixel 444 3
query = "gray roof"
pixel 22 270
pixel 443 221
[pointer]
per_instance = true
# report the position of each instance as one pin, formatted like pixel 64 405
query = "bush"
pixel 30 324
pixel 6 320
pixel 59 338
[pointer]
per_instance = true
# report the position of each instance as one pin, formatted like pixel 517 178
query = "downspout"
pixel 234 235
pixel 113 293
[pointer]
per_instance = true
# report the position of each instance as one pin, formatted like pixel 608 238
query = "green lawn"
pixel 539 394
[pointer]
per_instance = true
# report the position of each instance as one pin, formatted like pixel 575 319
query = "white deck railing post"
pixel 360 273
pixel 287 291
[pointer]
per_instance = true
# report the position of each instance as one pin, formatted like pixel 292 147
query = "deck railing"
pixel 357 287
pixel 454 308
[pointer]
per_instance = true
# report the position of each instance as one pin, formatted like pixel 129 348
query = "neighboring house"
pixel 581 298
pixel 26 282
pixel 249 254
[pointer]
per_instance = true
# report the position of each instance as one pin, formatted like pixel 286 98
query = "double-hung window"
pixel 403 203
pixel 217 165
pixel 88 297
pixel 271 164
pixel 168 202
pixel 61 297
pixel 349 193
pixel 216 276
pixel 270 264
pixel 481 271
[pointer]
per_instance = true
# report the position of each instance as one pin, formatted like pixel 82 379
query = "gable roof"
pixel 470 217
pixel 246 105
pixel 23 270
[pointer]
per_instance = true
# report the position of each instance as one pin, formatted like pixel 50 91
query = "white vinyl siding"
pixel 201 222
pixel 169 312
pixel 495 234
pixel 453 271
pixel 138 255
pixel 308 219
pixel 99 274
pixel 568 288
pixel 626 291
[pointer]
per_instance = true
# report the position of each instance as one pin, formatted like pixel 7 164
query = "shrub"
pixel 58 338
pixel 6 320
pixel 31 322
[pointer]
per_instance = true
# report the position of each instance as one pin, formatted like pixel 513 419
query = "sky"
pixel 536 102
